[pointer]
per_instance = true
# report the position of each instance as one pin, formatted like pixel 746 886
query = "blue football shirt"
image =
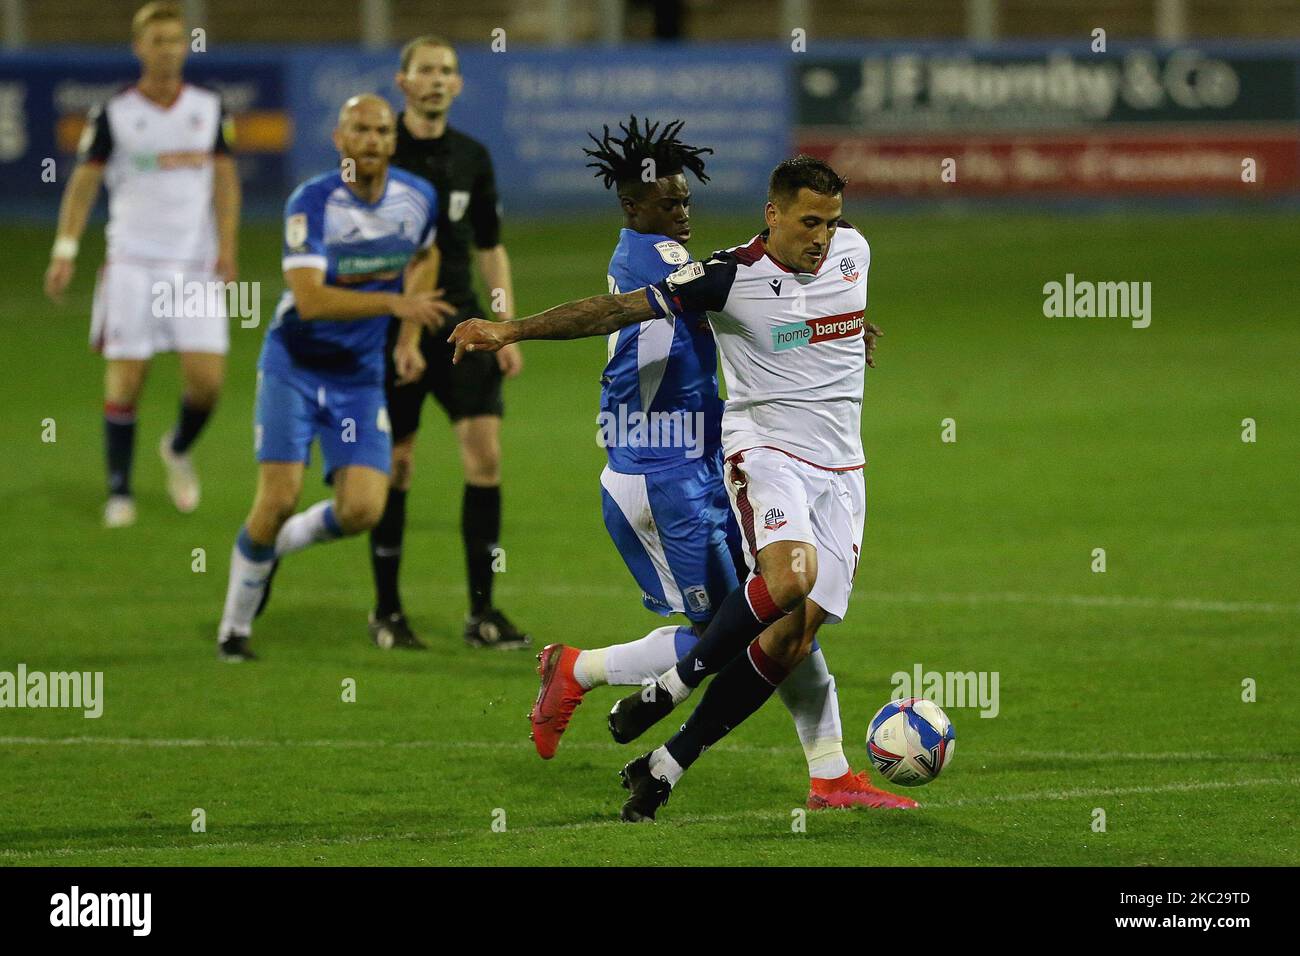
pixel 659 396
pixel 360 246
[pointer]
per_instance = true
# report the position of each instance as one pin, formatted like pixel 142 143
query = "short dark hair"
pixel 803 172
pixel 620 161
pixel 428 39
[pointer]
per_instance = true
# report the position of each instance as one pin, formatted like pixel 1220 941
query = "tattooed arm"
pixel 597 315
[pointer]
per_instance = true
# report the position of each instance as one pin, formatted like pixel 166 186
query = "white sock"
pixel 632 663
pixel 247 583
pixel 308 527
pixel 589 670
pixel 809 694
pixel 663 765
pixel 671 682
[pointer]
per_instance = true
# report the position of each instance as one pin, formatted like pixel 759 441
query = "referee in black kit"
pixel 470 393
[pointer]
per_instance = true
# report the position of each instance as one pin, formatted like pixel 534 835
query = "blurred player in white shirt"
pixel 161 150
pixel 788 311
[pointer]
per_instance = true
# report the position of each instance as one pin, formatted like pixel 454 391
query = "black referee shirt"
pixel 461 171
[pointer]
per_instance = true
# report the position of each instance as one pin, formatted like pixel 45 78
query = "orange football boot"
pixel 558 698
pixel 854 790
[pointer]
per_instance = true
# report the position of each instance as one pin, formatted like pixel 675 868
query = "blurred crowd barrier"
pixel 583 21
pixel 934 119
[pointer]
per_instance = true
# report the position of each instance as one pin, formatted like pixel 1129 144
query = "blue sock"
pixel 251 550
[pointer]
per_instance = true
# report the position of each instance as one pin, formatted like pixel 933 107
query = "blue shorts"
pixel 676 533
pixel 349 421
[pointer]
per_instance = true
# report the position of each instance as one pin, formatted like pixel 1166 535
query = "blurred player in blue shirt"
pixel 349 237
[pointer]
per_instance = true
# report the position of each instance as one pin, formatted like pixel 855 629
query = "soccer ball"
pixel 910 741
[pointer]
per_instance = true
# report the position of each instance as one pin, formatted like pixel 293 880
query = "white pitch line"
pixel 1090 793
pixel 1084 600
pixel 995 597
pixel 893 597
pixel 1077 794
pixel 231 845
pixel 1119 755
pixel 724 747
pixel 990 597
pixel 682 821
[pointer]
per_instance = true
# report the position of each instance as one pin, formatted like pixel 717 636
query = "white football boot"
pixel 182 479
pixel 119 512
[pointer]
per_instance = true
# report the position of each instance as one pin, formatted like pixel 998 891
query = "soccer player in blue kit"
pixel 349 238
pixel 664 501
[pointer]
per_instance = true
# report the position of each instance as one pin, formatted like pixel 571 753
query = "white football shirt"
pixel 792 345
pixel 158 171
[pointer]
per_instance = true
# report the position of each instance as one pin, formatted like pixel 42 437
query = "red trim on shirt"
pixel 748 255
pixel 792 271
pixel 797 458
pixel 783 268
pixel 742 504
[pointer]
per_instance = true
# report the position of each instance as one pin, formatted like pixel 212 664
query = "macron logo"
pixel 103 909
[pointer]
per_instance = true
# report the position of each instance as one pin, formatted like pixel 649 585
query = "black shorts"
pixel 471 388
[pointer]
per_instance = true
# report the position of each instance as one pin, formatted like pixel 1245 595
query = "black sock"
pixel 480 526
pixel 191 422
pixel 742 687
pixel 119 446
pixel 733 626
pixel 386 554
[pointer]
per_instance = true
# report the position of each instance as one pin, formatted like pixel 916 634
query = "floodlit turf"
pixel 1120 691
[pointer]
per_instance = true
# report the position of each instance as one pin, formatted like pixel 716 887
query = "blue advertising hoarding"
pixel 879 111
pixel 533 109
pixel 45 96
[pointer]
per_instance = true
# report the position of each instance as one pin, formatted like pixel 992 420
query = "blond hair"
pixel 156 11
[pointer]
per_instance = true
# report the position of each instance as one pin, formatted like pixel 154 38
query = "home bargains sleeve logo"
pixel 811 331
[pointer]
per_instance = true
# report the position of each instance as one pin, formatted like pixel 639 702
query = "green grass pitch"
pixel 1119 690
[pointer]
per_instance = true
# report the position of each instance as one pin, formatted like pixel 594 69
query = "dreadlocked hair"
pixel 621 161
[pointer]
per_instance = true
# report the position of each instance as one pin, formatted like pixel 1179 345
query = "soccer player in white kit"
pixel 161 149
pixel 788 310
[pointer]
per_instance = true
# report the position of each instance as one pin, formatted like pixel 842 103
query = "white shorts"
pixel 779 498
pixel 138 311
